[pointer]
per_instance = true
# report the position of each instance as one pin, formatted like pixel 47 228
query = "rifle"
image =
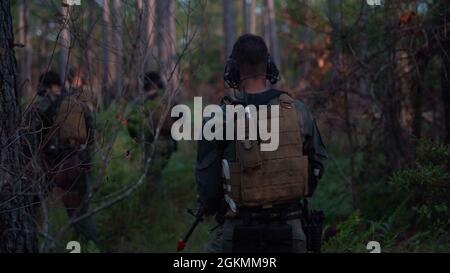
pixel 198 218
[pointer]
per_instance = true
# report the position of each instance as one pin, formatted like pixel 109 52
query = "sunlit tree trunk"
pixel 229 25
pixel 25 56
pixel 17 230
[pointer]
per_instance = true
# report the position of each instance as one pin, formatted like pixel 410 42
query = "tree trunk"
pixel 229 25
pixel 64 40
pixel 107 54
pixel 167 43
pixel 445 74
pixel 17 230
pixel 112 51
pixel 90 65
pixel 334 14
pixel 363 52
pixel 271 32
pixel 246 15
pixel 149 8
pixel 25 56
pixel 391 100
pixel 117 43
pixel 249 16
pixel 144 29
pixel 252 16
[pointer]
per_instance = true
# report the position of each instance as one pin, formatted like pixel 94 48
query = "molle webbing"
pixel 263 178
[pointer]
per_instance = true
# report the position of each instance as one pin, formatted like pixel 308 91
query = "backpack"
pixel 70 120
pixel 265 178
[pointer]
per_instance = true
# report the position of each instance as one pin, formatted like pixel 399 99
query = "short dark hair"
pixel 47 79
pixel 251 54
pixel 153 80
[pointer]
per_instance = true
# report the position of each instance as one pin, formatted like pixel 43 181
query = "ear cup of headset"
pixel 272 74
pixel 231 74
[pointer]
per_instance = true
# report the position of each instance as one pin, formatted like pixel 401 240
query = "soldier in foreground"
pixel 256 196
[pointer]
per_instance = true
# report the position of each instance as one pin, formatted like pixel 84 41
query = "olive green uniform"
pixel 209 175
pixel 143 120
pixel 54 157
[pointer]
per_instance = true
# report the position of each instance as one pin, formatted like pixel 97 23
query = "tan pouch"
pixel 249 154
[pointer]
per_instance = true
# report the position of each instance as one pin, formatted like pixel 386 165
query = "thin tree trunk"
pixel 363 51
pixel 107 53
pixel 144 31
pixel 246 15
pixel 252 16
pixel 229 25
pixel 167 43
pixel 417 87
pixel 334 13
pixel 64 40
pixel 249 16
pixel 25 56
pixel 17 230
pixel 390 101
pixel 271 32
pixel 117 42
pixel 445 74
pixel 90 65
pixel 149 38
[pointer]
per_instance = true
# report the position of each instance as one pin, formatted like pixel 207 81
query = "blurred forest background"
pixel 376 77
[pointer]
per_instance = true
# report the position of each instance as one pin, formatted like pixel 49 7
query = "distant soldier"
pixel 43 111
pixel 257 195
pixel 150 118
pixel 61 131
pixel 77 84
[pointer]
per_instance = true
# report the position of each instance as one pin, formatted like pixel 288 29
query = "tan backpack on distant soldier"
pixel 262 178
pixel 71 121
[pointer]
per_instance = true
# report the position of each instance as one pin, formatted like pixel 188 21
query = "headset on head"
pixel 231 74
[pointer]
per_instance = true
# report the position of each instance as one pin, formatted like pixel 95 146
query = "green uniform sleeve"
pixel 208 174
pixel 313 146
pixel 134 121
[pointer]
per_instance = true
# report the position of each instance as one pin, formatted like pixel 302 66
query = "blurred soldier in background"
pixel 149 123
pixel 61 130
pixel 77 84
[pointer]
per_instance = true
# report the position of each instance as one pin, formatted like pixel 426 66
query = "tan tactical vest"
pixel 260 178
pixel 71 121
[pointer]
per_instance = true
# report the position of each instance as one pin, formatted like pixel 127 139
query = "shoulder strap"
pixel 227 100
pixel 285 98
